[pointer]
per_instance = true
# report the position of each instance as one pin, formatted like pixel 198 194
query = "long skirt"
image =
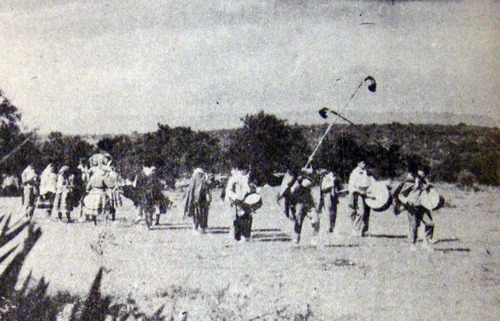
pixel 200 216
pixel 96 202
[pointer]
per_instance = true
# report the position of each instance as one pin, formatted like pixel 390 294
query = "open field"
pixel 211 277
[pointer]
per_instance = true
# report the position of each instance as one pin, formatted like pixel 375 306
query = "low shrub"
pixel 467 180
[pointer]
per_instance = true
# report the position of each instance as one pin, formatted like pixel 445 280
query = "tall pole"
pixel 372 87
pixel 360 129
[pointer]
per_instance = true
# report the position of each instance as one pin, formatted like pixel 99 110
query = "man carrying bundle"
pixel 299 202
pixel 198 198
pixel 359 181
pixel 408 195
pixel 149 197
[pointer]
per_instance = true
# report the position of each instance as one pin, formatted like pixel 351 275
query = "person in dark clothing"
pixel 149 197
pixel 299 202
pixel 407 196
pixel 198 198
pixel 30 183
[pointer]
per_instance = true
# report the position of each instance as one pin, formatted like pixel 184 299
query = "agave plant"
pixel 14 247
pixel 33 303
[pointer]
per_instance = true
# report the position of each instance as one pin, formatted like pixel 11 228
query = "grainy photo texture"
pixel 249 160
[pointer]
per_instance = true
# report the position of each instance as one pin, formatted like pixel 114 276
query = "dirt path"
pixel 346 278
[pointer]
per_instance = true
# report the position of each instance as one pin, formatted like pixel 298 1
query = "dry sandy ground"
pixel 211 277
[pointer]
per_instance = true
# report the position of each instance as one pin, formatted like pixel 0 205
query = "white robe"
pixel 48 181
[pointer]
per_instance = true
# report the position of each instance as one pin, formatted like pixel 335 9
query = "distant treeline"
pixel 266 145
pixel 447 152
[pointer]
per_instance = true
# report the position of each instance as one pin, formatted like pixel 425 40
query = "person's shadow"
pixel 388 236
pixel 270 235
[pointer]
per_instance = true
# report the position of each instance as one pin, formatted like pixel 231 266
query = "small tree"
pixel 64 150
pixel 10 135
pixel 340 155
pixel 466 180
pixel 124 150
pixel 173 151
pixel 266 144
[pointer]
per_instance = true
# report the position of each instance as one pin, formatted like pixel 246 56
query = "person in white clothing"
pixel 238 187
pixel 330 192
pixel 48 186
pixel 359 181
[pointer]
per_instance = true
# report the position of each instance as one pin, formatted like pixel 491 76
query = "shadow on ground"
pixel 389 236
pixel 270 235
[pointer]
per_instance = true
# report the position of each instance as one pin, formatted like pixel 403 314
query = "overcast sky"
pixel 116 66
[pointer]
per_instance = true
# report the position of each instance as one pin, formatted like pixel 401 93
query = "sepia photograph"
pixel 253 160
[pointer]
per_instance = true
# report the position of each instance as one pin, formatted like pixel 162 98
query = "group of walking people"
pixel 97 190
pixel 56 192
pixel 94 189
pixel 299 203
pixel 409 196
pixel 240 194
